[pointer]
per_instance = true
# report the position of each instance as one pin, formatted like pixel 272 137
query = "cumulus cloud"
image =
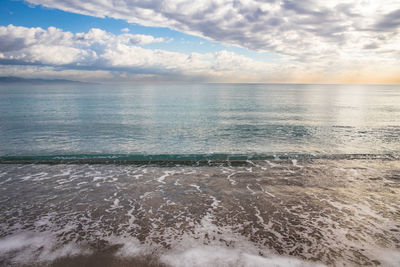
pixel 52 46
pixel 319 41
pixel 304 30
pixel 100 50
pixel 123 57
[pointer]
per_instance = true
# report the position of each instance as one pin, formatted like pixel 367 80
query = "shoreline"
pixel 329 211
pixel 185 159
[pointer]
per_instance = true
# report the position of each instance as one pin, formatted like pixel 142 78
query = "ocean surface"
pixel 199 119
pixel 199 175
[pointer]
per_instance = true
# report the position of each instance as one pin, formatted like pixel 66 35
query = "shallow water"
pixel 284 212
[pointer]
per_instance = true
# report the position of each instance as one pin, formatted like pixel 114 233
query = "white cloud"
pixel 101 50
pixel 98 51
pixel 305 30
pixel 53 46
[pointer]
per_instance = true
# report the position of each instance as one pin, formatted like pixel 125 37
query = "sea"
pixel 184 174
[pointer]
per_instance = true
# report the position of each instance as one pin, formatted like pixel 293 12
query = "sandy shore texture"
pixel 283 212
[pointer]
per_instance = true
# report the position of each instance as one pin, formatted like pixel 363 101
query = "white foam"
pixel 271 164
pixel 36 247
pixel 146 194
pixel 197 187
pixel 222 256
pixel 249 169
pixel 251 190
pixel 116 205
pixel 260 219
pixel 31 247
pixel 256 165
pixel 215 202
pixel 233 182
pixel 266 192
pixel 137 176
pixel 131 246
pixel 98 178
pixel 193 171
pixel 162 177
pixel 388 257
pixel 41 176
pixel 294 161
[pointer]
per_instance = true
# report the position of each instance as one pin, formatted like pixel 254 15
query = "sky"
pixel 252 41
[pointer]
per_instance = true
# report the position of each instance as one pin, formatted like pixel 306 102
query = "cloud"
pixel 53 46
pixel 389 21
pixel 100 50
pixel 56 53
pixel 303 30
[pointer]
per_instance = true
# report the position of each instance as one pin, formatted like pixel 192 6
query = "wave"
pixel 182 159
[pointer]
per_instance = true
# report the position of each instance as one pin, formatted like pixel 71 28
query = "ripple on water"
pixel 322 211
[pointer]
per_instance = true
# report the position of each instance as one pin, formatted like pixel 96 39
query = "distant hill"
pixel 12 79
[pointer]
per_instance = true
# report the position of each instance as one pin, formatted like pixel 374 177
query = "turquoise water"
pixel 199 119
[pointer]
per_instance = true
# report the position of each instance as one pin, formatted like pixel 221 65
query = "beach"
pixel 199 175
pixel 292 212
pixel 180 133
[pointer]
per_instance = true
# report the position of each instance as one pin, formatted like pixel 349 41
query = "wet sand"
pixel 283 212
